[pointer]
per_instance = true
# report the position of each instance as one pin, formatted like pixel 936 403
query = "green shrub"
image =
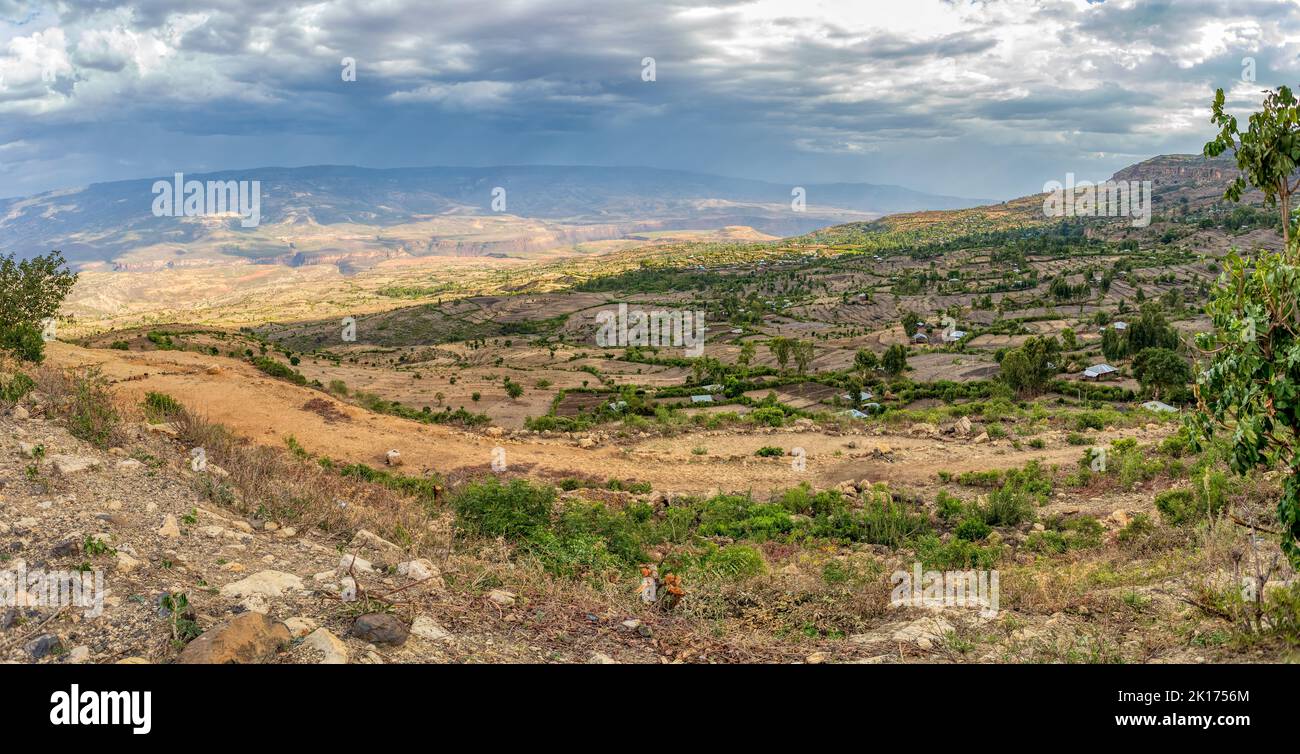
pixel 955 553
pixel 513 510
pixel 972 529
pixel 16 387
pixel 769 451
pixel 161 406
pixel 770 416
pixel 735 562
pixel 948 506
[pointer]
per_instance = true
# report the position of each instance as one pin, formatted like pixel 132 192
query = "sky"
pixel 973 98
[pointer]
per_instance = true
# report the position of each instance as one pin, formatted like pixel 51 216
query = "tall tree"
pixel 30 291
pixel 1266 153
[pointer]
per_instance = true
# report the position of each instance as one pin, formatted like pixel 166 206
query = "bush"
pixel 23 340
pixel 276 369
pixel 15 388
pixel 735 562
pixel 161 406
pixel 512 511
pixel 972 529
pixel 769 416
pixel 85 403
pixel 955 553
pixel 1181 507
pixel 769 451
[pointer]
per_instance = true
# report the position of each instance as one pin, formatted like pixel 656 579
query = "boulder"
pixel 248 638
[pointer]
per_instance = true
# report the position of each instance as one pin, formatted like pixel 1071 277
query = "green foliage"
pixel 31 290
pixel 972 529
pixel 16 387
pixel 955 553
pixel 895 361
pixel 512 510
pixel 279 370
pixel 769 451
pixel 161 406
pixel 1267 153
pixel 1160 369
pixel 1252 386
pixel 1029 368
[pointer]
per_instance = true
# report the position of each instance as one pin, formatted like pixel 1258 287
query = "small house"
pixel 1099 372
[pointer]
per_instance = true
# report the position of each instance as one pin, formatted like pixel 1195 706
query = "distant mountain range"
pixel 103 221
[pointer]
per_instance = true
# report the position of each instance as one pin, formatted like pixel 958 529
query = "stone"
pixel 300 627
pixel 247 639
pixel 418 570
pixel 42 645
pixel 393 458
pixel 263 584
pixel 19 413
pixel 352 564
pixel 78 655
pixel 426 628
pixel 169 528
pixel 816 658
pixel 380 628
pixel 600 658
pixel 128 464
pixel 586 442
pixel 501 597
pixel 332 647
pixel 69 464
pixel 126 563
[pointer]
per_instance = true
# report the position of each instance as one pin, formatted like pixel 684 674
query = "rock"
pixel 495 431
pixel 963 428
pixel 132 661
pixel 425 628
pixel 263 584
pixel 1120 517
pixel 501 597
pixel 247 639
pixel 419 570
pixel 126 563
pixel 600 658
pixel 78 655
pixel 18 413
pixel 300 627
pixel 586 442
pixel 816 658
pixel 169 527
pixel 982 438
pixel 166 430
pixel 380 628
pixel 42 645
pixel 331 646
pixel 69 464
pixel 393 458
pixel 380 548
pixel 128 464
pixel 631 624
pixel 66 548
pixel 1039 527
pixel 352 564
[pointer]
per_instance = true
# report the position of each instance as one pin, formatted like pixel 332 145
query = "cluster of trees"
pixel 783 349
pixel 1151 330
pixel 1029 368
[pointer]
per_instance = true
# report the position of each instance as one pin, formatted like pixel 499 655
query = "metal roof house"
pixel 954 336
pixel 920 338
pixel 701 399
pixel 1159 407
pixel 1098 371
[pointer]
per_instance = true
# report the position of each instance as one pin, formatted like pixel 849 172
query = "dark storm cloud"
pixel 985 99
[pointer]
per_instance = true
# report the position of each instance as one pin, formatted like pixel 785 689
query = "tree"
pixel 803 354
pixel 1251 387
pixel 1160 369
pixel 746 353
pixel 1030 367
pixel 895 361
pixel 780 348
pixel 513 389
pixel 30 291
pixel 1069 339
pixel 865 362
pixel 1266 153
pixel 911 323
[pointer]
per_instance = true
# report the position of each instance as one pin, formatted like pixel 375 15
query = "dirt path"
pixel 267 411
